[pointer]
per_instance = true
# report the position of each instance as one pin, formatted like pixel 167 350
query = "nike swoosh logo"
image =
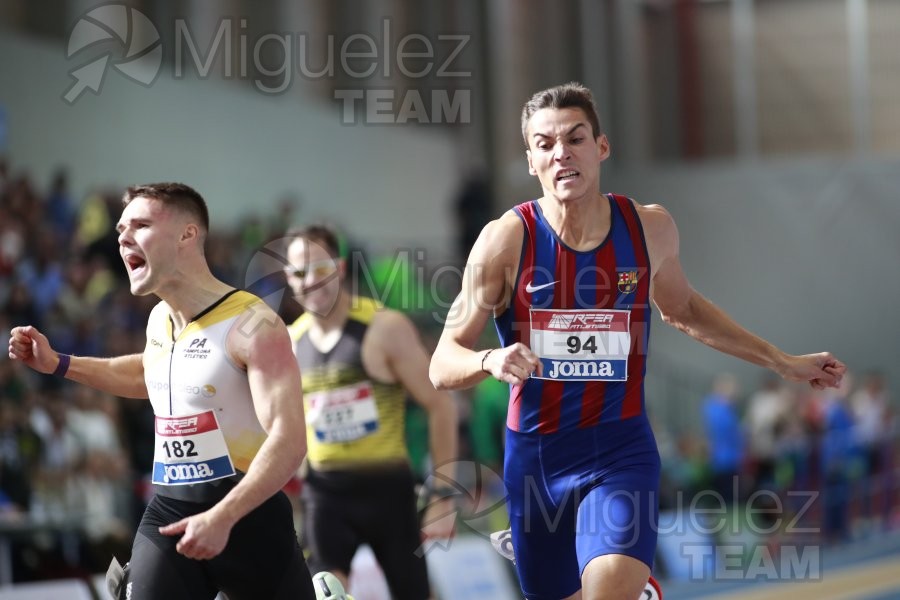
pixel 533 288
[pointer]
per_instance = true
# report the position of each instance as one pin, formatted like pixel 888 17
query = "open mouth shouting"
pixel 136 264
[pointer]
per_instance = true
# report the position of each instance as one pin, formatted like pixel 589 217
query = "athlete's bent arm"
pixel 486 287
pixel 408 361
pixel 274 379
pixel 120 376
pixel 687 310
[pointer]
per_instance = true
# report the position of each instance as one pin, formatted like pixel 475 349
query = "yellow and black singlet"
pixel 352 420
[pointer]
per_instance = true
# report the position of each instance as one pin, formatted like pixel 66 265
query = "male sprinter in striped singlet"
pixel 225 389
pixel 569 278
pixel 359 361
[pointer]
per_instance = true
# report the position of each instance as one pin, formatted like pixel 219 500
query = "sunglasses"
pixel 319 269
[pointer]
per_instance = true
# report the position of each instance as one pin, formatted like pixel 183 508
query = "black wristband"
pixel 486 354
pixel 63 367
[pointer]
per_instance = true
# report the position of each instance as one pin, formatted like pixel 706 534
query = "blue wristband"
pixel 63 367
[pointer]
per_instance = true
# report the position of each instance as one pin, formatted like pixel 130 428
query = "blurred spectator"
pixel 19 307
pixel 12 386
pixel 838 452
pixel 96 235
pixel 58 210
pixel 12 243
pixel 724 437
pixel 765 415
pixel 101 492
pixel 42 274
pixel 872 415
pixel 20 450
pixel 61 460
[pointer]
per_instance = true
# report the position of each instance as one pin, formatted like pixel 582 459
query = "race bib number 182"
pixel 190 449
pixel 582 345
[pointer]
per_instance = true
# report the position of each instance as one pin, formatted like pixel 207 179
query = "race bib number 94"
pixel 190 449
pixel 582 345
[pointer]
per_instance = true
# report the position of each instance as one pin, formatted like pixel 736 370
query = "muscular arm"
pixel 486 286
pixel 277 398
pixel 685 309
pixel 120 376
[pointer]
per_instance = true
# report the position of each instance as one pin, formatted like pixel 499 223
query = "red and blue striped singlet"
pixel 587 315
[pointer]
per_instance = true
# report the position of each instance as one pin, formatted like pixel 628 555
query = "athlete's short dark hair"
pixel 568 95
pixel 177 195
pixel 318 234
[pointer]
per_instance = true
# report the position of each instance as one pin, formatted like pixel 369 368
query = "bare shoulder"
pixel 500 240
pixel 391 329
pixel 257 327
pixel 660 232
pixel 655 219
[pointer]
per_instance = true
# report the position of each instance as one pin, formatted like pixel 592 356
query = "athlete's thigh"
pixel 156 569
pixel 395 542
pixel 620 514
pixel 328 534
pixel 543 527
pixel 262 558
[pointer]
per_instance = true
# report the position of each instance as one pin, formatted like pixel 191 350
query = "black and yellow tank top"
pixel 352 420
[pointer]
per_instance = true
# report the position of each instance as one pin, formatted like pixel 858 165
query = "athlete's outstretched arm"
pixel 263 346
pixel 684 308
pixel 120 376
pixel 486 287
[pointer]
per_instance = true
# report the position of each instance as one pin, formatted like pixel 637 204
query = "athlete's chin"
pixel 320 311
pixel 320 308
pixel 567 196
pixel 141 288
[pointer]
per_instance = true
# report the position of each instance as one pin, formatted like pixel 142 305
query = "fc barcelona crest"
pixel 628 281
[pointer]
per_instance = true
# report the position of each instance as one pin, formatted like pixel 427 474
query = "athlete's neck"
pixel 581 223
pixel 190 295
pixel 336 317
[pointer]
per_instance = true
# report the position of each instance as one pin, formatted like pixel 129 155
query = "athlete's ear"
pixel 603 147
pixel 342 267
pixel 531 169
pixel 191 232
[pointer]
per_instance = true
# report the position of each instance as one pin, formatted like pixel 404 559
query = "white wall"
pixel 241 149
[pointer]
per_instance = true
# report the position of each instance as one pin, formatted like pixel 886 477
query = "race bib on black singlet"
pixel 343 414
pixel 582 345
pixel 190 449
